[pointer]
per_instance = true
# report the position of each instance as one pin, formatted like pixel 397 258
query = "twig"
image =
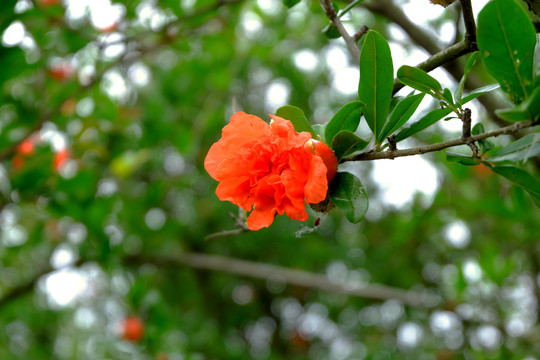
pixel 441 58
pixel 466 132
pixel 224 234
pixel 440 146
pixel 290 276
pixel 240 222
pixel 364 29
pixel 332 15
pixel 468 19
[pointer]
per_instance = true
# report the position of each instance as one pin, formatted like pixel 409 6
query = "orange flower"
pixel 265 168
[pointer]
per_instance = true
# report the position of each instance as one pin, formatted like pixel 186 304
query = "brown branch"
pixel 468 19
pixel 364 29
pixel 291 276
pixel 332 15
pixel 441 58
pixel 440 146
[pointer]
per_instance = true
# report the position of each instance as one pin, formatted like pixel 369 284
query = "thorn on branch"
pixel 466 118
pixel 364 29
pixel 392 146
pixel 466 132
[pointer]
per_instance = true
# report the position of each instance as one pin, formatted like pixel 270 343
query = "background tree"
pixel 113 244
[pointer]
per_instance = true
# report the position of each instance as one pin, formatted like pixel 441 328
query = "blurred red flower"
pixel 265 168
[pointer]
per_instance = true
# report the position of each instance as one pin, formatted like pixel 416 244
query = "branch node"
pixel 364 29
pixel 392 146
pixel 466 118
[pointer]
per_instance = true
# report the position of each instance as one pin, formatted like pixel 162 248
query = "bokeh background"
pixel 107 110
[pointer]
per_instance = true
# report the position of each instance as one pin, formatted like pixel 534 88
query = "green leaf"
pixel 435 115
pixel 429 119
pixel 402 112
pixel 506 40
pixel 479 92
pixel 376 80
pixel 447 95
pixel 297 117
pixel 522 179
pixel 461 159
pixel 418 79
pixel 346 142
pixel 331 32
pixel 470 63
pixel 485 144
pixel 520 150
pixel 527 110
pixel 347 118
pixel 319 129
pixel 350 196
pixel 290 3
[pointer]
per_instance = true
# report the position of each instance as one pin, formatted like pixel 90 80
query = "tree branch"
pixel 389 154
pixel 439 59
pixel 291 276
pixel 468 19
pixel 332 15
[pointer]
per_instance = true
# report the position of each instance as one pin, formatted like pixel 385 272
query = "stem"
pixel 332 15
pixel 439 146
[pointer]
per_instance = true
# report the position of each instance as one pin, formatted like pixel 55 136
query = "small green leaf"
pixel 520 150
pixel 331 32
pixel 346 142
pixel 470 63
pixel 402 112
pixel 347 118
pixel 478 129
pixel 479 92
pixel 447 95
pixel 527 110
pixel 522 179
pixel 297 117
pixel 418 79
pixel 376 80
pixel 350 196
pixel 290 3
pixel 319 129
pixel 506 40
pixel 429 119
pixel 485 144
pixel 461 159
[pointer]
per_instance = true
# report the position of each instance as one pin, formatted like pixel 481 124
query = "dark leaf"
pixel 402 112
pixel 347 118
pixel 345 143
pixel 506 40
pixel 350 196
pixel 376 80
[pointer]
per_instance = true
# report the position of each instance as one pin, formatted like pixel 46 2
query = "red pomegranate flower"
pixel 265 169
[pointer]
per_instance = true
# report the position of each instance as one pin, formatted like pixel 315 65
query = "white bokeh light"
pixel 306 60
pixel 277 94
pixel 14 34
pixel 401 178
pixel 457 234
pixel 409 335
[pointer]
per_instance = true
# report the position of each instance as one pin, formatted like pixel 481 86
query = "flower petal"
pixel 241 130
pixel 262 216
pixel 317 184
